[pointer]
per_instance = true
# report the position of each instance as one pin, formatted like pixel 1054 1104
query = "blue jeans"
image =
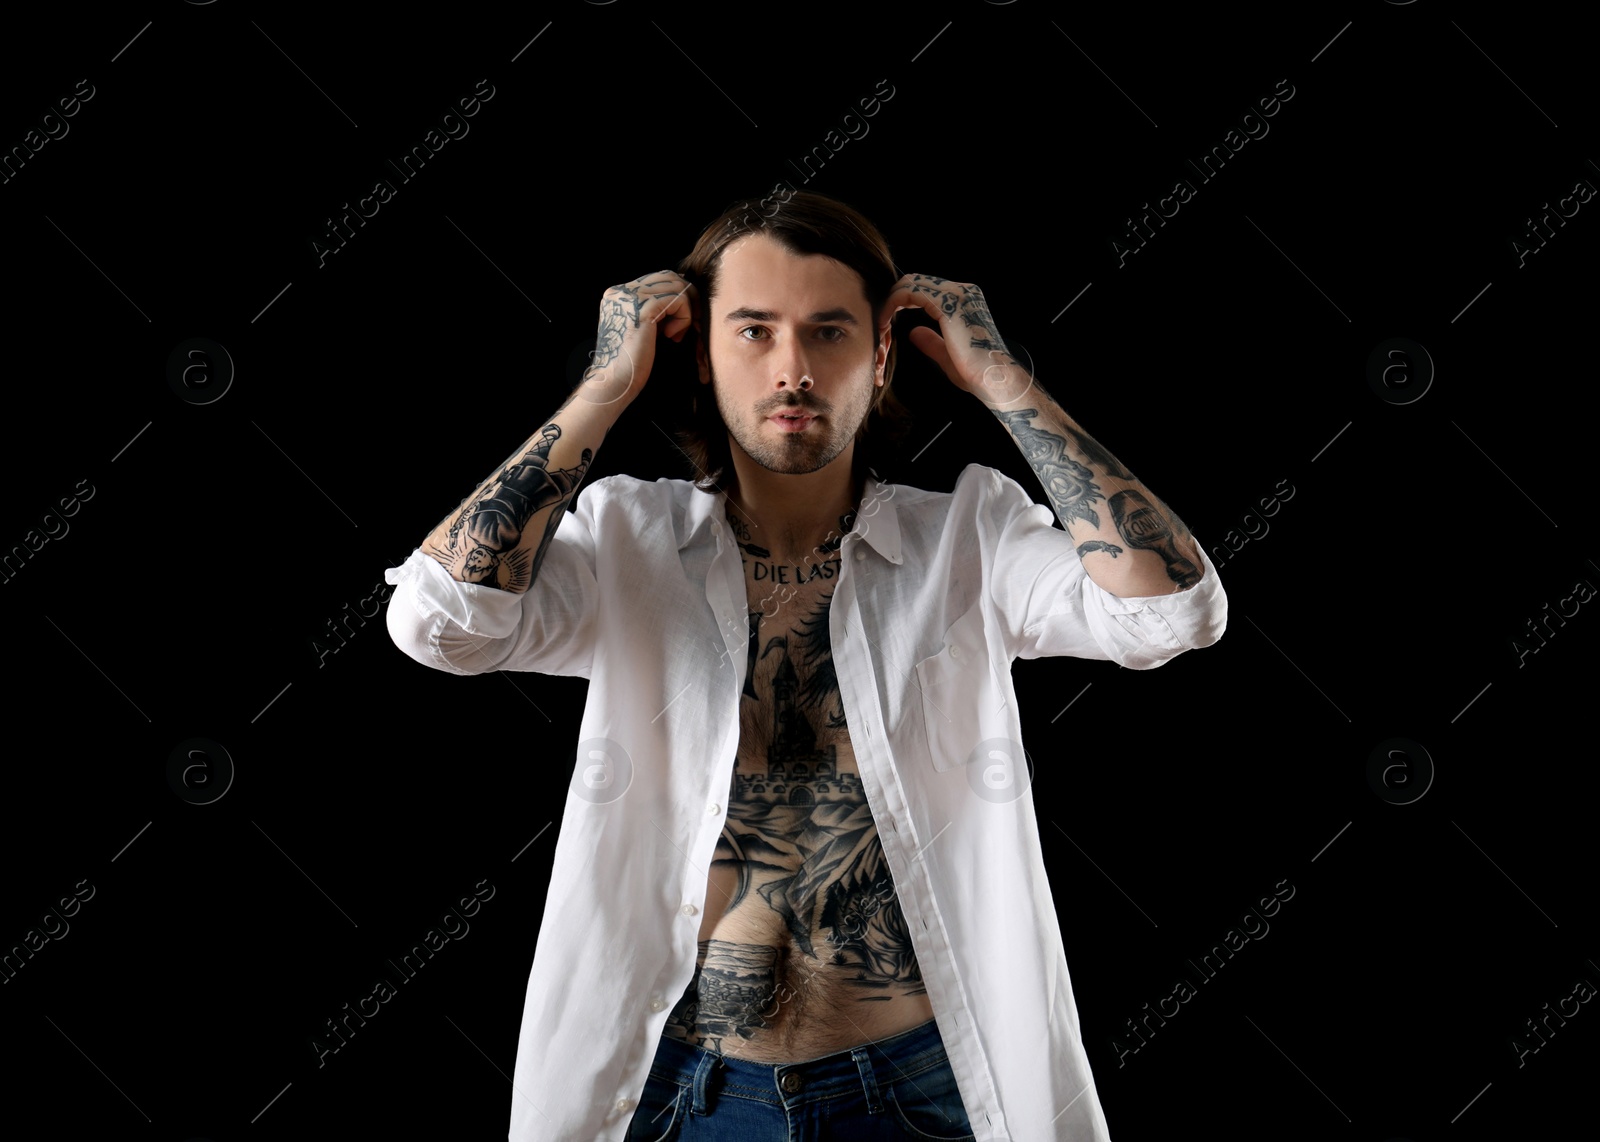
pixel 896 1088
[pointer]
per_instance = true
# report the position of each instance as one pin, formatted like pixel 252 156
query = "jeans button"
pixel 791 1083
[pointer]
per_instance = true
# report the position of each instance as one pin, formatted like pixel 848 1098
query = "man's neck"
pixel 795 518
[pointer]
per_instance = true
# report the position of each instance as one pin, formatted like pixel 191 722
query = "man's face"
pixel 779 317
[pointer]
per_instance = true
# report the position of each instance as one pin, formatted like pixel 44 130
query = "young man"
pixel 799 882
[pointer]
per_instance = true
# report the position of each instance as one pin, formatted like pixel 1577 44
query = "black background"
pixel 192 594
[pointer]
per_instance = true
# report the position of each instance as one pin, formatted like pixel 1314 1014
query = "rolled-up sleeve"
pixel 466 628
pixel 1049 605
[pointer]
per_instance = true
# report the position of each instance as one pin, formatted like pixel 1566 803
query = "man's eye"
pixel 830 333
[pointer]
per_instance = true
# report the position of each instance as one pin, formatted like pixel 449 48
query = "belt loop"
pixel 869 1082
pixel 702 1074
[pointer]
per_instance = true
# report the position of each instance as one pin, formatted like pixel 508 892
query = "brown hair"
pixel 804 223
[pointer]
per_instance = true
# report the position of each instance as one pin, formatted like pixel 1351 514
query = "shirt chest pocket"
pixel 964 701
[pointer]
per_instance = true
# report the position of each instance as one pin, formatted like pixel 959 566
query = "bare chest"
pixel 804 949
pixel 791 715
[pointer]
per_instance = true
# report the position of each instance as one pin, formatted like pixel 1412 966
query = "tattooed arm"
pixel 1130 542
pixel 498 535
pixel 1134 545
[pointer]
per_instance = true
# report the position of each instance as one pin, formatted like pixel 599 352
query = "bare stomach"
pixel 796 963
pixel 804 949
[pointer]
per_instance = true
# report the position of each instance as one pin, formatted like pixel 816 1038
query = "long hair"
pixel 804 223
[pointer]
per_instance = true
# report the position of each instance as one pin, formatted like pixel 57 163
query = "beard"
pixel 796 453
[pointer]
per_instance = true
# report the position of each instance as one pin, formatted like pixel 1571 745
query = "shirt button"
pixel 689 909
pixel 955 651
pixel 624 1105
pixel 713 808
pixel 791 1083
pixel 656 1003
pixel 860 554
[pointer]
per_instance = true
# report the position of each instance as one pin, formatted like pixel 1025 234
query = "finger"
pixel 680 315
pixel 933 347
pixel 659 278
pixel 900 297
pixel 886 317
pixel 909 294
pixel 906 301
pixel 679 306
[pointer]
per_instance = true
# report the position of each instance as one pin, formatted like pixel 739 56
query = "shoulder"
pixel 943 528
pixel 622 487
pixel 977 487
pixel 647 508
pixel 970 525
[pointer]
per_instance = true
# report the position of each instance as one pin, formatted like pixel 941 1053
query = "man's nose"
pixel 791 363
pixel 787 380
pixel 792 371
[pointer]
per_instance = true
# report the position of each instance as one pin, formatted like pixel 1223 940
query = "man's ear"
pixel 881 355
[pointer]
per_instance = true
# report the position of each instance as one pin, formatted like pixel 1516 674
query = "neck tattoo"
pixel 821 563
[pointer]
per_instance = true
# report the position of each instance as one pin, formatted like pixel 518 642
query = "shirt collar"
pixel 877 521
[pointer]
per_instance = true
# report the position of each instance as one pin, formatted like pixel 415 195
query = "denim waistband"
pixel 868 1066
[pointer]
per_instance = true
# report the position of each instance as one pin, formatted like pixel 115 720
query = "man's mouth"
pixel 792 421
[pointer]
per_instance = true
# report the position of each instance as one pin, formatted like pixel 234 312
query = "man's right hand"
pixel 498 536
pixel 625 346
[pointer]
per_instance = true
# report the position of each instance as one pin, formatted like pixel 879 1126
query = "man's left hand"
pixel 971 351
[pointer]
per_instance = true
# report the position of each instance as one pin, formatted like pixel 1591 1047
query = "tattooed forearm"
pixel 1076 471
pixel 1096 454
pixel 1069 484
pixel 1142 526
pixel 485 541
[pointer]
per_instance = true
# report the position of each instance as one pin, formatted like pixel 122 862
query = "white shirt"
pixel 642 592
